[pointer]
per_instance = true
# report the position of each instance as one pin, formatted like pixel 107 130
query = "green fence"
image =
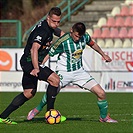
pixel 68 7
pixel 10 33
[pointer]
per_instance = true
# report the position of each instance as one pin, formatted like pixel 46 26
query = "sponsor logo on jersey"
pixel 38 38
pixel 77 54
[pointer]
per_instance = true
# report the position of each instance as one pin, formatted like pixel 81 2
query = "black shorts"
pixel 29 81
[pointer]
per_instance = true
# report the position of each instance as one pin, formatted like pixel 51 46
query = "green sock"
pixel 42 103
pixel 103 107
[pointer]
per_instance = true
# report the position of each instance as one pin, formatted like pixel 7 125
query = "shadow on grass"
pixel 35 120
pixel 82 119
pixel 41 119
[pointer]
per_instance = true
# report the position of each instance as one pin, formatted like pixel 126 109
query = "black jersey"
pixel 41 34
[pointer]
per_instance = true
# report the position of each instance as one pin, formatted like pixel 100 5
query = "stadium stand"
pixel 101 43
pixel 110 21
pixel 105 33
pixel 130 33
pixel 96 32
pixel 119 21
pixel 116 29
pixel 123 33
pixel 124 10
pixel 129 2
pixel 114 33
pixel 128 21
pixel 102 21
pixel 109 43
pixel 118 43
pixel 127 43
pixel 115 11
pixel 131 10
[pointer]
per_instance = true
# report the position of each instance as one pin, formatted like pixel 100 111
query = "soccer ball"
pixel 53 116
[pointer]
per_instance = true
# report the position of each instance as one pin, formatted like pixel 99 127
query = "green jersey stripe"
pixel 70 52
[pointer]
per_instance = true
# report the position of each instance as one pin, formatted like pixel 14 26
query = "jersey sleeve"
pixel 56 48
pixel 89 41
pixel 39 35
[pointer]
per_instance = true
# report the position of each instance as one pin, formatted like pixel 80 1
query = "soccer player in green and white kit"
pixel 69 67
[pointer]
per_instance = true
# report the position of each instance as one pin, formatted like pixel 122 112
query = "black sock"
pixel 51 96
pixel 15 104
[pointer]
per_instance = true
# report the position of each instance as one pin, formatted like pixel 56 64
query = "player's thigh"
pixel 90 84
pixel 44 73
pixel 84 80
pixel 29 81
pixel 65 77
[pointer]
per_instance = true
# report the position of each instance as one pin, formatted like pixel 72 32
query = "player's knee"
pixel 102 95
pixel 33 92
pixel 54 80
pixel 57 80
pixel 29 93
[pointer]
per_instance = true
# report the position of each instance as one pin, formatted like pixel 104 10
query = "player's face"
pixel 75 36
pixel 53 21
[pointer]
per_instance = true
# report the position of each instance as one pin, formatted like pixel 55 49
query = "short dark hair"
pixel 55 11
pixel 79 27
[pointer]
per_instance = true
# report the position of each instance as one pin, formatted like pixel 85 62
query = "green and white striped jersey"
pixel 70 52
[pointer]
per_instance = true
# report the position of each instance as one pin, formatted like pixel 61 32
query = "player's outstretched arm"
pixel 99 50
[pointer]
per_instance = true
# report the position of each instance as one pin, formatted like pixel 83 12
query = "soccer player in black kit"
pixel 36 49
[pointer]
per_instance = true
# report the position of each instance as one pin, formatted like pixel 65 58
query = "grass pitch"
pixel 80 109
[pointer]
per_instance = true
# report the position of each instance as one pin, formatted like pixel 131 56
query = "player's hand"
pixel 35 72
pixel 107 58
